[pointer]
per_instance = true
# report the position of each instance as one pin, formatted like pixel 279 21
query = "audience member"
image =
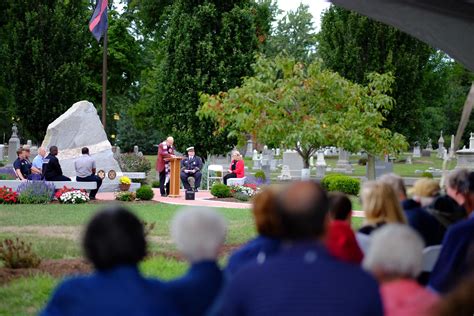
pixel 302 278
pixel 425 191
pixel 340 238
pixel 51 168
pixel 237 167
pixel 20 165
pixel 85 171
pixel 198 233
pixel 418 218
pixel 191 166
pixel 456 259
pixel 395 259
pixel 268 227
pixel 381 206
pixel 114 241
pixel 459 302
pixel 35 173
pixel 449 209
pixel 39 160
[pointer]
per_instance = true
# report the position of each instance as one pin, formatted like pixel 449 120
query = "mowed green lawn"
pixel 54 231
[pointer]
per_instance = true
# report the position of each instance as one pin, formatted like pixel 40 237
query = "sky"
pixel 315 7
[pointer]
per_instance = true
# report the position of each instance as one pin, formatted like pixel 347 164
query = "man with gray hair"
pixel 39 159
pixel 395 259
pixel 418 218
pixel 198 234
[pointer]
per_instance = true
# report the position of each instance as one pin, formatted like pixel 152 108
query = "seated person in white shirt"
pixel 85 171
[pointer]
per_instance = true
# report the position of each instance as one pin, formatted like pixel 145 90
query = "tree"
pixel 354 45
pixel 306 107
pixel 208 47
pixel 294 35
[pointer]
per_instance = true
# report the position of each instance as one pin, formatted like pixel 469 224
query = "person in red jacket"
pixel 340 240
pixel 165 150
pixel 236 169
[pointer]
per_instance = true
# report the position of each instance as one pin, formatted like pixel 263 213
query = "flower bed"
pixel 8 196
pixel 73 197
pixel 240 192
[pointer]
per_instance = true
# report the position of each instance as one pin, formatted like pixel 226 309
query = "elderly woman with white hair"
pixel 395 259
pixel 198 234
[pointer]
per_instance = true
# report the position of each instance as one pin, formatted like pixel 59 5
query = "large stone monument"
pixel 13 145
pixel 466 156
pixel 79 127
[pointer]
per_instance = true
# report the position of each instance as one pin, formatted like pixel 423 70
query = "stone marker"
pixel 409 162
pixel 2 152
pixel 441 146
pixel 425 153
pixel 466 156
pixel 343 164
pixel 277 152
pixel 320 165
pixel 135 150
pixel 416 151
pixel 78 127
pixel 451 148
pixel 33 152
pixel 13 145
pixel 294 161
pixel 249 149
pixel 429 146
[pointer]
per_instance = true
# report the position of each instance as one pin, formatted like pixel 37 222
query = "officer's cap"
pixel 190 149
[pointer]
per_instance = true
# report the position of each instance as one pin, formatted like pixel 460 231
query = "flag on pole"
pixel 98 22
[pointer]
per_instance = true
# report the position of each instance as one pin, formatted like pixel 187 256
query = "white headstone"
pixel 416 151
pixel 409 162
pixel 277 152
pixel 285 173
pixel 2 152
pixel 343 164
pixel 78 127
pixel 320 161
pixel 441 146
pixel 135 150
pixel 294 161
pixel 255 155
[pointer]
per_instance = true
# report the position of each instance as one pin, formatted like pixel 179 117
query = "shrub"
pixel 155 184
pixel 125 196
pixel 8 196
pixel 17 254
pixel 35 192
pixel 145 193
pixel 241 196
pixel 74 197
pixel 220 190
pixel 134 163
pixel 260 175
pixel 341 183
pixel 427 175
pixel 6 177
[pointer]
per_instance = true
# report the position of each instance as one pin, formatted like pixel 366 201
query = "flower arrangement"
pixel 8 196
pixel 74 197
pixel 35 192
pixel 65 189
pixel 125 180
pixel 243 192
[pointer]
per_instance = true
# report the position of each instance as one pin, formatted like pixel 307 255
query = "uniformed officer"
pixel 191 167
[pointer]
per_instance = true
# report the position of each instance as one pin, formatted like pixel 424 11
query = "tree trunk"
pixel 370 167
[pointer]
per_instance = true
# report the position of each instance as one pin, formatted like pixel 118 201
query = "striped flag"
pixel 98 22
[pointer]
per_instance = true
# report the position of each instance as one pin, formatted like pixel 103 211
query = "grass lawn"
pixel 55 230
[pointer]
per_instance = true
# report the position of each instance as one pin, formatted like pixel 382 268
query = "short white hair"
pixel 198 233
pixel 395 249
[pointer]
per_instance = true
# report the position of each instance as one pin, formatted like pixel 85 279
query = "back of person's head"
pixel 19 151
pixel 458 302
pixel 340 206
pixel 395 251
pixel 114 237
pixel 198 233
pixel 458 180
pixel 425 190
pixel 380 203
pixel 303 208
pixel 266 217
pixel 396 182
pixel 85 151
pixel 53 150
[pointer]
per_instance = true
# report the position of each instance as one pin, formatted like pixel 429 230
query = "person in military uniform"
pixel 191 167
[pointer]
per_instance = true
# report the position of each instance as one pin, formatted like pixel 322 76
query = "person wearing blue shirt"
pixel 198 234
pixel 114 242
pixel 39 159
pixel 302 278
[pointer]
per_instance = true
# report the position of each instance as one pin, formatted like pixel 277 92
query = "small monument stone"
pixel 13 145
pixel 249 149
pixel 416 151
pixel 441 146
pixel 343 164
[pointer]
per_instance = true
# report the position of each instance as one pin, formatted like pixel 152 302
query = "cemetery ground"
pixel 55 230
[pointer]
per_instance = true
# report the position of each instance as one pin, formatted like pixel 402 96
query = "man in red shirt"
pixel 165 150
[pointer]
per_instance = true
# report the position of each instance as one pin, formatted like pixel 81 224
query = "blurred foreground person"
pixel 303 278
pixel 268 227
pixel 395 259
pixel 114 242
pixel 198 234
pixel 340 238
pixel 460 301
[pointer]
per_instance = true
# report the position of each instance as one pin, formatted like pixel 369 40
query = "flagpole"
pixel 104 80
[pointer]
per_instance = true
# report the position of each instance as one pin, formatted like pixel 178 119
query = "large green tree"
pixel 355 45
pixel 306 107
pixel 208 47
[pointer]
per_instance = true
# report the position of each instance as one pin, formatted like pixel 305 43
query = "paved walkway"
pixel 202 199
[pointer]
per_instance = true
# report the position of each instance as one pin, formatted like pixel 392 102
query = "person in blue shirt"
pixel 302 278
pixel 39 160
pixel 198 234
pixel 267 243
pixel 114 242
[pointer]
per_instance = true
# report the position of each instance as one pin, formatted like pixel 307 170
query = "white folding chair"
pixel 430 256
pixel 217 169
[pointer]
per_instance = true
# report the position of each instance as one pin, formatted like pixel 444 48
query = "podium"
pixel 175 171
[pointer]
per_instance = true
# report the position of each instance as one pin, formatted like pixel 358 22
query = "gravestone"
pixel 285 173
pixel 33 152
pixel 78 127
pixel 409 162
pixel 320 165
pixel 429 146
pixel 466 156
pixel 451 154
pixel 441 146
pixel 257 165
pixel 2 152
pixel 249 149
pixel 277 152
pixel 13 145
pixel 416 151
pixel 381 167
pixel 425 153
pixel 135 150
pixel 294 161
pixel 343 165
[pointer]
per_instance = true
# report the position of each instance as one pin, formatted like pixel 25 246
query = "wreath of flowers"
pixel 74 197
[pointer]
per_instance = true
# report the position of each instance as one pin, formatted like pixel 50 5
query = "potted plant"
pixel 124 183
